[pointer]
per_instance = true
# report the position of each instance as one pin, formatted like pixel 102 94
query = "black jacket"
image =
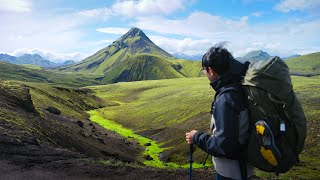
pixel 229 113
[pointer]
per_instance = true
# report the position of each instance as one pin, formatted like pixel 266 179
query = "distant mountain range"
pixel 34 59
pixel 254 56
pixel 134 57
pixel 180 55
pixel 292 56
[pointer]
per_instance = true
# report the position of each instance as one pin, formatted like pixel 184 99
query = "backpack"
pixel 277 121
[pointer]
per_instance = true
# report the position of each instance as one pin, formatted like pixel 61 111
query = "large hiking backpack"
pixel 278 124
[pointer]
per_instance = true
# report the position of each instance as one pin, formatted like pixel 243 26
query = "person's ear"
pixel 212 72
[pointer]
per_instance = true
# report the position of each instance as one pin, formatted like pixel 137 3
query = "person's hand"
pixel 189 136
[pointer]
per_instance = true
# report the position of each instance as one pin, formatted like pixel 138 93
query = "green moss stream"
pixel 153 150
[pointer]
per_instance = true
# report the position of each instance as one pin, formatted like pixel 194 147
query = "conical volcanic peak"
pixel 137 42
pixel 134 32
pixel 133 43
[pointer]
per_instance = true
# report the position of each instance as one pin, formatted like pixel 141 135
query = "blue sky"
pixel 60 30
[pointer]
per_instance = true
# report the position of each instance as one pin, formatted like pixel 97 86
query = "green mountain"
pixel 255 56
pixel 134 57
pixel 309 64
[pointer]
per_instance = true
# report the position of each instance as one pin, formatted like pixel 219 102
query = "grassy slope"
pixel 32 66
pixel 150 67
pixel 165 109
pixel 23 115
pixel 169 106
pixel 189 68
pixel 305 64
pixel 21 73
pixel 123 66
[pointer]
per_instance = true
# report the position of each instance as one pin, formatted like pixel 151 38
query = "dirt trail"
pixel 78 169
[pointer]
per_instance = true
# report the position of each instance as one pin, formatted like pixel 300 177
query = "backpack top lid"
pixel 271 75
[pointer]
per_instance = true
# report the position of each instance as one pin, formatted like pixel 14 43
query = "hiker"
pixel 230 118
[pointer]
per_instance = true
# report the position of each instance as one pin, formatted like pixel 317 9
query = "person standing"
pixel 230 116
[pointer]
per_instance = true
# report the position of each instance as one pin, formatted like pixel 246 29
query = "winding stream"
pixel 154 150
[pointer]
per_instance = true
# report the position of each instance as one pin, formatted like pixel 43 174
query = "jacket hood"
pixel 232 76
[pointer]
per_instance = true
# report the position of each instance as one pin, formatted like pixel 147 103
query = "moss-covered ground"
pixel 164 110
pixel 152 150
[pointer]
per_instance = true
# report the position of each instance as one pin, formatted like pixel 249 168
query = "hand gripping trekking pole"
pixel 191 161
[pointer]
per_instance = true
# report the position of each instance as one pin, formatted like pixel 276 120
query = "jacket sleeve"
pixel 224 141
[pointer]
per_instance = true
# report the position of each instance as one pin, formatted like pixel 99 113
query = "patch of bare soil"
pixel 80 169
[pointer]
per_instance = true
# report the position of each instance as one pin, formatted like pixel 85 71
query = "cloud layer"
pixel 53 56
pixel 69 32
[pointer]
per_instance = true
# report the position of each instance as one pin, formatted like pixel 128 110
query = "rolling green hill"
pixel 134 57
pixel 307 64
pixel 35 74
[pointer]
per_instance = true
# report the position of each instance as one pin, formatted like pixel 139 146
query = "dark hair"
pixel 218 58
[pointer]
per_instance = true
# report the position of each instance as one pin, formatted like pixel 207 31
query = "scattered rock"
pixel 90 124
pixel 127 142
pixel 148 157
pixel 94 135
pixel 147 144
pixel 80 123
pixel 53 110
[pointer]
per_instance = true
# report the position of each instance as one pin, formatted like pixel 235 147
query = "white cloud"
pixel 187 45
pixel 298 5
pixel 277 38
pixel 113 30
pixel 18 6
pixel 57 33
pixel 198 24
pixel 135 8
pixel 52 56
pixel 104 13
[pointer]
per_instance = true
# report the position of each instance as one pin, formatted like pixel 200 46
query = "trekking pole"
pixel 191 161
